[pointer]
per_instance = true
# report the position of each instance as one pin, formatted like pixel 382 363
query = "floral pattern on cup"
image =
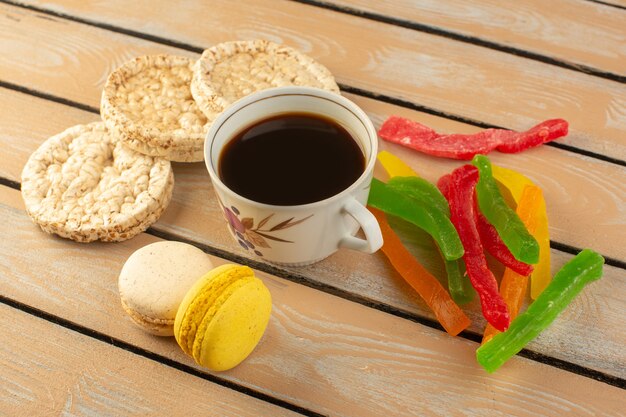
pixel 252 237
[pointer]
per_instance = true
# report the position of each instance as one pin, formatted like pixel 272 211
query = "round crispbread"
pixel 148 103
pixel 85 185
pixel 229 71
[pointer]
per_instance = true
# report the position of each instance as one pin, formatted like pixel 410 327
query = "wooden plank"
pixel 97 379
pixel 447 75
pixel 570 179
pixel 194 214
pixel 54 55
pixel 578 32
pixel 24 127
pixel 320 351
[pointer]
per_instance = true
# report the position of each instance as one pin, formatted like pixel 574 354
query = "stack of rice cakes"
pixel 111 180
pixel 148 104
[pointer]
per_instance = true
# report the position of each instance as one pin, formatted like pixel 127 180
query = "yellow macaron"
pixel 223 316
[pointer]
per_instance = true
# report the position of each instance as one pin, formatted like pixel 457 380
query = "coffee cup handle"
pixel 373 237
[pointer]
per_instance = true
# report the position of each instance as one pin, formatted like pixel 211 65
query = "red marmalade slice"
pixel 458 146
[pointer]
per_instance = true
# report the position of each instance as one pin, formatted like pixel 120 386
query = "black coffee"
pixel 291 159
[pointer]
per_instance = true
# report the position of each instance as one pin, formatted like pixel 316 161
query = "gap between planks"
pixel 571 30
pixel 251 406
pixel 397 299
pixel 473 40
pixel 608 3
pixel 377 305
pixel 367 331
pixel 462 119
pixel 563 247
pixel 348 88
pixel 397 296
pixel 378 17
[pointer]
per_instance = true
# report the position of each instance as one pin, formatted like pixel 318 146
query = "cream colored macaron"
pixel 154 281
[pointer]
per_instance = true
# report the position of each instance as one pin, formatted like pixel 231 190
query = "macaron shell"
pixel 214 305
pixel 237 327
pixel 199 298
pixel 201 306
pixel 157 329
pixel 154 280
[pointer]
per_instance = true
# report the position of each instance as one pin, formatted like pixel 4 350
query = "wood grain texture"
pixel 555 29
pixel 54 55
pixel 451 76
pixel 194 214
pixel 26 122
pixel 74 375
pixel 320 351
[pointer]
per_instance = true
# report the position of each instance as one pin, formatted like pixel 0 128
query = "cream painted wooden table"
pixel 347 335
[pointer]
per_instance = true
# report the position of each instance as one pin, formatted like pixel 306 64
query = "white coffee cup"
pixel 316 230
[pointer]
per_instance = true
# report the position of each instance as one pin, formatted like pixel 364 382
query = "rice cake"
pixel 85 185
pixel 148 103
pixel 229 71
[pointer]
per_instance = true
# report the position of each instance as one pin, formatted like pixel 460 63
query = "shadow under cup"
pixel 307 233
